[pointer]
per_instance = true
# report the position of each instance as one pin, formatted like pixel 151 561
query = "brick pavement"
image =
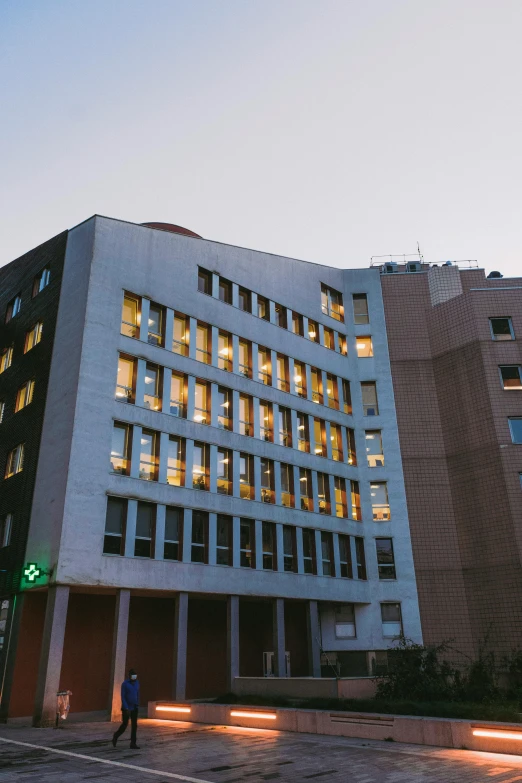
pixel 211 754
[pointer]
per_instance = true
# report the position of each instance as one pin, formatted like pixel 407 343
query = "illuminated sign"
pixel 32 572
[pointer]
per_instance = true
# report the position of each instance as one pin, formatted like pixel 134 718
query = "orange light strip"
pixel 173 709
pixel 514 735
pixel 261 715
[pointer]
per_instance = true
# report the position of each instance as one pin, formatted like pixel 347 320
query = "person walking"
pixel 130 702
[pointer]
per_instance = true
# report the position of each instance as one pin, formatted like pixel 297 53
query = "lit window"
pixel 145 530
pixel 224 540
pixel 282 373
pixel 246 476
pixel 309 561
pixel 380 504
pixel 121 448
pixel 317 385
pixel 305 489
pixel 224 406
pixel 319 438
pixel 332 391
pixel 126 379
pixel 297 324
pixel 156 325
pixel 202 402
pixel 41 280
pixel 515 426
pixel 345 622
pixel 263 308
pixel 313 331
pixel 225 290
pixel 391 620
pixel 347 396
pixel 355 498
pixel 385 558
pixel 264 366
pixel 329 338
pixel 200 467
pixel 225 351
pixel 285 427
pixel 176 461
pixel 360 557
pixel 245 415
pixel 115 521
pixel 327 553
pixel 153 387
pixel 131 315
pixel 178 385
pixel 247 558
pixel 6 526
pixel 287 485
pixel 360 309
pixel 268 543
pixel 323 493
pixel 364 347
pixel 300 379
pixel 267 480
pixel 345 557
pixel 332 303
pixel 336 441
pixel 13 308
pixel 180 340
pixel 149 455
pixel 342 345
pixel 199 543
pixel 303 436
pixel 352 453
pixel 203 343
pixel 369 398
pixel 501 329
pixel 511 376
pixel 24 395
pixel 289 549
pixel 15 461
pixel 245 358
pixel 265 421
pixel 281 315
pixel 341 508
pixel 374 450
pixel 244 300
pixel 224 471
pixel 6 359
pixel 204 281
pixel 33 336
pixel 172 546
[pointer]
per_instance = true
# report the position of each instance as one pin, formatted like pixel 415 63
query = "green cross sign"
pixel 32 572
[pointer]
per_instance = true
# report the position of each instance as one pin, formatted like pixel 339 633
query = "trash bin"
pixel 62 705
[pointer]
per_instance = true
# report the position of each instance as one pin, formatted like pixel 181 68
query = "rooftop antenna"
pixel 421 257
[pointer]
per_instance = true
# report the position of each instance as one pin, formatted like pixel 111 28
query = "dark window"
pixel 114 539
pixel 297 324
pixel 385 558
pixel 369 398
pixel 6 526
pixel 501 329
pixel 156 325
pixel 145 530
pixel 309 551
pixel 269 546
pixel 281 316
pixel 511 376
pixel 327 553
pixel 225 290
pixel 172 548
pixel 263 308
pixel 245 300
pixel 361 559
pixel 204 281
pixel 121 448
pixel 289 548
pixel 515 426
pixel 246 543
pixel 360 309
pixel 345 557
pixel 224 540
pixel 41 281
pixel 199 544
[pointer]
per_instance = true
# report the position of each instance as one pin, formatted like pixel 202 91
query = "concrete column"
pixel 328 436
pixel 130 527
pixel 11 636
pixel 275 421
pixel 259 544
pixel 305 326
pixel 314 638
pixel 163 457
pixel 336 555
pixel 50 667
pixel 353 555
pixel 308 372
pixel 321 334
pixel 213 467
pixel 254 302
pixel 255 359
pixel 236 543
pixel 291 373
pixel 271 310
pixel 277 482
pixel 191 397
pixel 187 535
pixel 280 547
pixel 293 416
pixel 119 652
pixel 344 439
pixel 273 362
pixel 318 553
pixel 315 491
pixel 232 640
pixel 169 328
pixel 189 462
pixel 300 551
pixel 144 324
pixel 215 285
pixel 297 487
pixel 325 385
pixel 135 451
pixel 235 411
pixel 235 354
pixel 278 630
pixel 215 345
pixel 165 393
pixel 214 408
pixel 236 472
pixel 193 325
pixel 212 538
pixel 331 486
pixel 255 417
pixel 159 538
pixel 235 295
pixel 180 647
pixel 257 478
pixel 140 382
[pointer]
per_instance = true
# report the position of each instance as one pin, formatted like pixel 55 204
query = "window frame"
pixel 495 337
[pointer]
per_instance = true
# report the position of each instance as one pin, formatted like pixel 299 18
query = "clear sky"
pixel 328 130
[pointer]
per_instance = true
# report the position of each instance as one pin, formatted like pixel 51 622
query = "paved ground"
pixel 210 754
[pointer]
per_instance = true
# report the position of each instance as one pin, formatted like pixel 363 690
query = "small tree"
pixel 416 673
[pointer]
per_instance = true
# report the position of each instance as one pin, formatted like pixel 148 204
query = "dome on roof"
pixel 173 229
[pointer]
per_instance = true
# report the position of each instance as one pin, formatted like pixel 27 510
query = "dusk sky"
pixel 327 130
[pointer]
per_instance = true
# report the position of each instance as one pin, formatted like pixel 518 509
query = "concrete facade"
pixel 178 603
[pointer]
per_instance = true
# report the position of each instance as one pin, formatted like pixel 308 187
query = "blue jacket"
pixel 130 694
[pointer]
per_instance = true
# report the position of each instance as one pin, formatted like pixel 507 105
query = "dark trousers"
pixel 133 715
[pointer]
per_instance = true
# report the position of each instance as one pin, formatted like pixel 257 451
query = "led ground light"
pixel 513 735
pixel 173 709
pixel 260 715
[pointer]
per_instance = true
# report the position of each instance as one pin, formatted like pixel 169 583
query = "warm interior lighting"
pixel 298 379
pixel 262 715
pixel 173 709
pixel 311 334
pixel 514 735
pixel 198 417
pixel 361 346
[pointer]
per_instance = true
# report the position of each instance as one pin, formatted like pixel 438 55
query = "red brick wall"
pixel 28 655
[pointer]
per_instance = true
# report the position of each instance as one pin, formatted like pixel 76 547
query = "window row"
pixel 331 303
pixel 210 468
pixel 345 625
pixel 24 396
pixel 212 345
pixel 32 338
pixel 215 538
pixel 39 283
